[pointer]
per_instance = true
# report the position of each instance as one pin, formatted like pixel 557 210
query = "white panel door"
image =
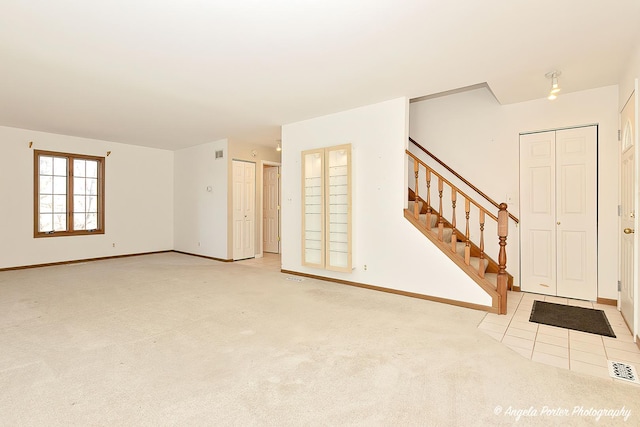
pixel 576 207
pixel 537 210
pixel 244 185
pixel 558 209
pixel 271 209
pixel 628 214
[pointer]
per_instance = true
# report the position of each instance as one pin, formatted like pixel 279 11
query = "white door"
pixel 538 213
pixel 627 214
pixel 558 213
pixel 576 218
pixel 244 190
pixel 271 209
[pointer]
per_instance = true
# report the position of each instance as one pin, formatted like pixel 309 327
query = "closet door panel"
pixel 576 213
pixel 537 208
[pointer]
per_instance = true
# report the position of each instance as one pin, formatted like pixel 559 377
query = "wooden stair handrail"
pixel 461 178
pixel 502 220
pixel 460 192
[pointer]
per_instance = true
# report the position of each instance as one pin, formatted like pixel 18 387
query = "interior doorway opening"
pixel 271 208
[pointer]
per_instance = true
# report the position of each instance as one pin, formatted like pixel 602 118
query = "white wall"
pixel 396 254
pixel 479 138
pixel 628 76
pixel 200 216
pixel 138 200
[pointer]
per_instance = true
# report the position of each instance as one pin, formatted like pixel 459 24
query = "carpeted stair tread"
pixel 434 219
pixel 460 248
pixel 446 234
pixel 475 262
pixel 492 278
pixel 412 204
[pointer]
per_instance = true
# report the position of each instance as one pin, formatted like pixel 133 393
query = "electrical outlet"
pixel 365 267
pixel 113 245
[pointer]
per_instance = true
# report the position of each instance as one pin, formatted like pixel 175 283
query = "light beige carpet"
pixel 170 339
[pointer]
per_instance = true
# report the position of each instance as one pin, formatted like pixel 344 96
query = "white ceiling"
pixel 176 73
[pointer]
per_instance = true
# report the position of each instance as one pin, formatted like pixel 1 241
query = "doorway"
pixel 271 209
pixel 244 211
pixel 627 211
pixel 558 209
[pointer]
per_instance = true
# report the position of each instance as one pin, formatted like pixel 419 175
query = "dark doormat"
pixel 570 317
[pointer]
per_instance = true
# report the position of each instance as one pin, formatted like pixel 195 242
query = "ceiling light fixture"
pixel 555 88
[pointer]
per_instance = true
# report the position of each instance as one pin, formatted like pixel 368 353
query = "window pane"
pixel 60 166
pixel 92 221
pixel 79 221
pixel 46 165
pixel 60 204
pixel 78 186
pixel 46 222
pixel 92 169
pixel 79 168
pixel 59 222
pixel 79 204
pixel 46 185
pixel 92 204
pixel 46 204
pixel 92 186
pixel 59 185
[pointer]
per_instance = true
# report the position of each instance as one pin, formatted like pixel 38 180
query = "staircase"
pixel 465 248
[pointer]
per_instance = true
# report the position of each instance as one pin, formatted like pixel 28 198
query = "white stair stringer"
pixel 488 283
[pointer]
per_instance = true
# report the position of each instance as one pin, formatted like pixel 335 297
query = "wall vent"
pixel 219 154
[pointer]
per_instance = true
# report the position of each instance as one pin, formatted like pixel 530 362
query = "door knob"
pixel 629 231
pixel 558 222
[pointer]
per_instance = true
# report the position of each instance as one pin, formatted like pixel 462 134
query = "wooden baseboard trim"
pixel 607 301
pixel 204 256
pixel 638 342
pixel 396 292
pixel 516 289
pixel 76 261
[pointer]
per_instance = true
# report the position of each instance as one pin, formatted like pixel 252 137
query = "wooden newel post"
pixel 503 228
pixel 416 168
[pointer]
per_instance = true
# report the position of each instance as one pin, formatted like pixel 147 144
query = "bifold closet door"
pixel 558 181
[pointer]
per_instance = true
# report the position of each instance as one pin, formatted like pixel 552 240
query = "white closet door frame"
pixel 558 172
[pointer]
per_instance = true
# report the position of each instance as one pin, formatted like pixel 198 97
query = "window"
pixel 68 194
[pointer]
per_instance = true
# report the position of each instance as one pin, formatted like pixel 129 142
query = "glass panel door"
pixel 339 208
pixel 313 208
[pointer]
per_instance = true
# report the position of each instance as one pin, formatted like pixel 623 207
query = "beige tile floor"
pixel 564 348
pixel 268 261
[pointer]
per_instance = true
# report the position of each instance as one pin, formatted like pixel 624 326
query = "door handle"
pixel 629 231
